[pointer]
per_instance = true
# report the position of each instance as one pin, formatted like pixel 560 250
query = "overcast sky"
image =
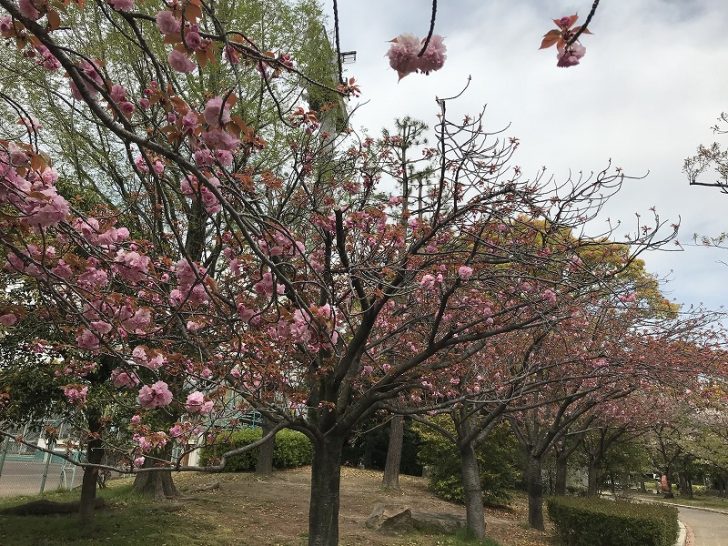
pixel 652 83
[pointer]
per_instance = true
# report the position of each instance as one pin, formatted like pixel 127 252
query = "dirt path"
pixel 247 510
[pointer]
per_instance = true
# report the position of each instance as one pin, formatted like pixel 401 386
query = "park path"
pixel 24 478
pixel 709 528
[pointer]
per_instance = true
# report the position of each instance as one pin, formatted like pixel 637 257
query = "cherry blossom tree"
pixel 315 288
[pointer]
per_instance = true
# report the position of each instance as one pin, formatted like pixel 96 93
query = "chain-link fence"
pixel 28 471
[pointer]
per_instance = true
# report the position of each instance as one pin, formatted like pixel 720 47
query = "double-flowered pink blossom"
pixel 404 54
pixel 570 55
pixel 156 395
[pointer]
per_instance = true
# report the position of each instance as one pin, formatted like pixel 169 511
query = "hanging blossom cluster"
pixel 404 54
pixel 568 54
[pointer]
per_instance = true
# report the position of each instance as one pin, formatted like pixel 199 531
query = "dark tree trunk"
pixel 323 511
pixel 473 493
pixel 534 482
pixel 94 455
pixel 394 453
pixel 157 484
pixel 264 464
pixel 668 492
pixel 592 479
pixel 561 471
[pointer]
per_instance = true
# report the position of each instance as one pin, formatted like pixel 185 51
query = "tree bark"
pixel 394 453
pixel 323 512
pixel 561 472
pixel 264 464
pixel 472 490
pixel 94 455
pixel 667 493
pixel 592 479
pixel 157 484
pixel 535 493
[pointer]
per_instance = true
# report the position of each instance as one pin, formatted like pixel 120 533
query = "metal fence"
pixel 28 471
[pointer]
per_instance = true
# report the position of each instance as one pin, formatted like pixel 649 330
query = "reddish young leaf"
pixel 550 38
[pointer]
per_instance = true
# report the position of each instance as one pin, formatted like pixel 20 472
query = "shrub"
pixel 598 522
pixel 291 449
pixel 495 459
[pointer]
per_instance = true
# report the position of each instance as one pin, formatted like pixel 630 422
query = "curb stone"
pixel 682 537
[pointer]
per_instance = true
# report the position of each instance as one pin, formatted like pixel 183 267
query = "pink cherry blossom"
pixel 76 394
pixel 167 23
pixel 46 59
pixel 434 56
pixel 6 25
pixel 155 396
pixel 570 56
pixel 193 40
pixel 86 339
pixel 549 296
pixel 181 62
pixel 196 403
pixel 214 114
pixel 123 379
pixel 403 54
pixel 121 5
pixel 8 319
pixel 465 272
pixel 28 9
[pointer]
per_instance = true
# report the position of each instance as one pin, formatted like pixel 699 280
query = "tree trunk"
pixel 157 484
pixel 561 471
pixel 472 490
pixel 535 493
pixel 394 453
pixel 323 511
pixel 592 479
pixel 667 491
pixel 94 455
pixel 264 464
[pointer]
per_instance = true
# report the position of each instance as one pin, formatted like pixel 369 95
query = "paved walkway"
pixel 709 528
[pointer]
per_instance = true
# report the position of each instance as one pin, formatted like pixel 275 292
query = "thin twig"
pixel 338 45
pixel 575 37
pixel 432 28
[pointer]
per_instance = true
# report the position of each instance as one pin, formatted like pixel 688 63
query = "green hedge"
pixel 291 449
pixel 599 522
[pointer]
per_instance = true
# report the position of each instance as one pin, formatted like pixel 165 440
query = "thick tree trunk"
pixel 561 471
pixel 264 464
pixel 472 489
pixel 94 455
pixel 592 479
pixel 323 511
pixel 394 453
pixel 157 484
pixel 667 491
pixel 535 493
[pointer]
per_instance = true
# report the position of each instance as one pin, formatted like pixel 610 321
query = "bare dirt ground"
pixel 247 510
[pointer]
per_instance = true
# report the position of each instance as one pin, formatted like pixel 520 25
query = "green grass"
pixel 699 501
pixel 461 539
pixel 128 519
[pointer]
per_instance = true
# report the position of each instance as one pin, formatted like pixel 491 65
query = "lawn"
pixel 245 510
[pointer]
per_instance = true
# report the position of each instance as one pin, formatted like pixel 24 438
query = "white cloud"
pixel 650 86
